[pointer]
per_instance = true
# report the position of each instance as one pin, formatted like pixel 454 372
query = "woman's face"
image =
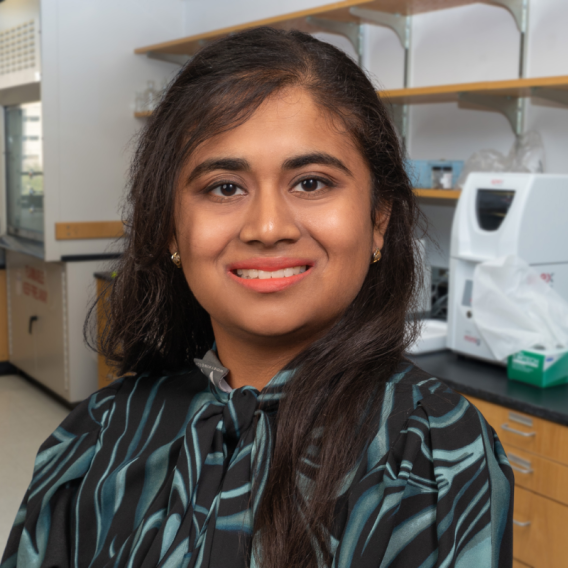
pixel 273 222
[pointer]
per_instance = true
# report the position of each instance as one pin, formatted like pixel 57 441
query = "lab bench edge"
pixel 489 382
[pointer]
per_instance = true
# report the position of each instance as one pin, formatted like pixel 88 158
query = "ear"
pixel 381 223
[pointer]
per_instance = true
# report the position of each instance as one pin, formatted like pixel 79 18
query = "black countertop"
pixel 489 382
pixel 106 276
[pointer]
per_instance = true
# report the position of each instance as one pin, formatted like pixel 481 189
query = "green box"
pixel 540 368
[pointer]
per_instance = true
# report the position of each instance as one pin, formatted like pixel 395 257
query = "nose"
pixel 270 218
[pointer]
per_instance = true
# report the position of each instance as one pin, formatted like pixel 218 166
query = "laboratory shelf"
pixel 551 89
pixel 545 87
pixel 336 11
pixel 452 194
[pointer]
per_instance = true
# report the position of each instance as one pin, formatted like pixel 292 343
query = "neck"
pixel 251 362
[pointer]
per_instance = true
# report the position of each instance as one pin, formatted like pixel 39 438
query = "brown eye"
pixel 310 184
pixel 227 190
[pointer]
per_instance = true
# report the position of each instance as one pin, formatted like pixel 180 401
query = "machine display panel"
pixel 492 206
pixel 24 170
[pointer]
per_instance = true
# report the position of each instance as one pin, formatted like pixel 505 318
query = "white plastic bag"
pixel 515 309
pixel 526 155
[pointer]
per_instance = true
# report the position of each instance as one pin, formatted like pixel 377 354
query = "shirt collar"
pixel 211 367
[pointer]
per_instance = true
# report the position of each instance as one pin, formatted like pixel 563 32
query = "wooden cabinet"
pixel 538 474
pixel 538 453
pixel 106 374
pixel 540 538
pixel 531 434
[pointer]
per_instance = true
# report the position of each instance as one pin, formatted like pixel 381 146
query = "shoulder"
pixel 133 393
pixel 412 389
pixel 136 394
pixel 443 419
pixel 186 382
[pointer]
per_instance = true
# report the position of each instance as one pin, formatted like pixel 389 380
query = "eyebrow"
pixel 297 162
pixel 242 165
pixel 213 164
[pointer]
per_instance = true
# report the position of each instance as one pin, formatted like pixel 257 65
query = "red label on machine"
pixel 548 277
pixel 35 274
pixel 33 284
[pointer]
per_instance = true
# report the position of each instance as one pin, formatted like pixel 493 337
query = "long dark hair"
pixel 155 322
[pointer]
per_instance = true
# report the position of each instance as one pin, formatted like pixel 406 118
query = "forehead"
pixel 288 122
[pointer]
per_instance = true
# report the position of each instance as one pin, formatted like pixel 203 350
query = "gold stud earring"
pixel 376 256
pixel 176 259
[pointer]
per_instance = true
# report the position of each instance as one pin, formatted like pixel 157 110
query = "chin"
pixel 271 330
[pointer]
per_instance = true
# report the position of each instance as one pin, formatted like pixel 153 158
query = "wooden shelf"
pixel 453 194
pixel 143 114
pixel 448 93
pixel 296 20
pixel 89 230
pixel 531 87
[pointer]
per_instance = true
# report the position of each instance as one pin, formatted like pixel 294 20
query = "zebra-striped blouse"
pixel 157 472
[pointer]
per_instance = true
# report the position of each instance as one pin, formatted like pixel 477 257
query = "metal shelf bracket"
pixel 511 107
pixel 401 25
pixel 180 60
pixel 396 22
pixel 555 95
pixel 350 30
pixel 519 10
pixel 399 117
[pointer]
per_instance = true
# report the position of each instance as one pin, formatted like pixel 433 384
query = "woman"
pixel 271 229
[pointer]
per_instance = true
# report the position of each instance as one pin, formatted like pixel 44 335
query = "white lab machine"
pixel 499 214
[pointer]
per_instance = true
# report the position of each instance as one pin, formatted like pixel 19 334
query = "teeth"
pixel 251 273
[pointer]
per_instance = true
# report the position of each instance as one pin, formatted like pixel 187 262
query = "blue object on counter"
pixel 421 171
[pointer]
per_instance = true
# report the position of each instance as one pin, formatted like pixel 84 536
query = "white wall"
pixel 204 15
pixel 90 75
pixel 548 56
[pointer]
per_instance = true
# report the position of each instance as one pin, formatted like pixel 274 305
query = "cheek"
pixel 346 234
pixel 202 239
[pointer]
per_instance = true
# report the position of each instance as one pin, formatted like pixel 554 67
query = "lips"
pixel 268 275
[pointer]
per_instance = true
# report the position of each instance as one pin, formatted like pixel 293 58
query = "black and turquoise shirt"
pixel 156 471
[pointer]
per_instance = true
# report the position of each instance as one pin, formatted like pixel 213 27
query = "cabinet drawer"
pixel 538 474
pixel 526 432
pixel 541 542
pixel 106 375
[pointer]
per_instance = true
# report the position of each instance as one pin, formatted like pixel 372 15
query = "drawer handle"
pixel 519 464
pixel 521 469
pixel 519 432
pixel 519 524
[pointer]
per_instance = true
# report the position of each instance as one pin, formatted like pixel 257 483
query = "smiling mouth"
pixel 254 274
